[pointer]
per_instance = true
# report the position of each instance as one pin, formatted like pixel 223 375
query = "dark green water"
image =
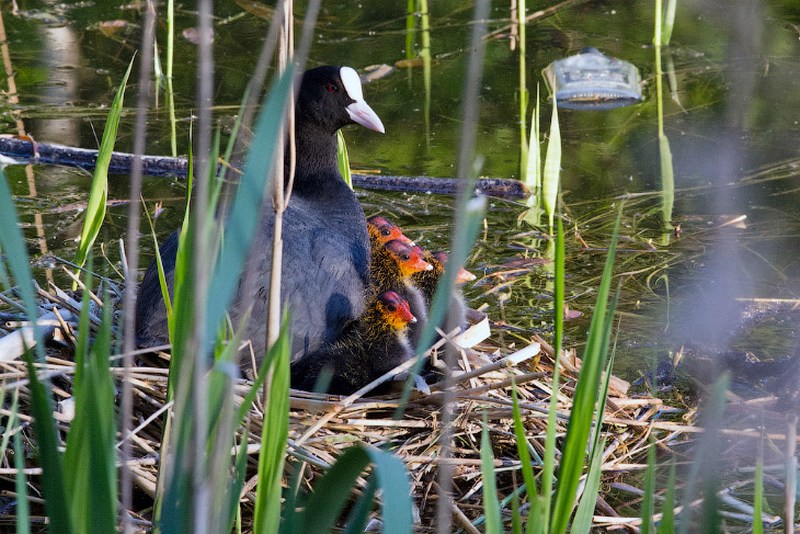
pixel 734 132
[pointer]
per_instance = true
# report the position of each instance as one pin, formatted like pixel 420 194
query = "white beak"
pixel 359 111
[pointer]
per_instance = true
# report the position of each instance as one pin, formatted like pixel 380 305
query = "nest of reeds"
pixel 322 426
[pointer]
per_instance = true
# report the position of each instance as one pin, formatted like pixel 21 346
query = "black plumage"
pixel 367 349
pixel 326 247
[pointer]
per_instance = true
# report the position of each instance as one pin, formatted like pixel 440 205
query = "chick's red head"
pixel 395 310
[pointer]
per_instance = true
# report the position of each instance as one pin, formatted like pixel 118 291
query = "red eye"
pixel 331 88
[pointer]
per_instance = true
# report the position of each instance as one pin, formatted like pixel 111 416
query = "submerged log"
pixel 23 150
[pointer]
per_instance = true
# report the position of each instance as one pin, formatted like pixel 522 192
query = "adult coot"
pixel 326 247
pixel 368 348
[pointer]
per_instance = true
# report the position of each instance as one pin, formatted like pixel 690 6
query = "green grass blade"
pixel 180 311
pixel 491 508
pixel 425 55
pixel 222 425
pixel 758 491
pixel 582 522
pixel 23 511
pixel 12 243
pixel 703 473
pixel 667 523
pixel 245 212
pixel 649 489
pixel 522 447
pixel 291 517
pixel 548 469
pixel 16 257
pixel 462 243
pixel 601 403
pixel 162 279
pixel 5 281
pixel 238 481
pixel 395 486
pixel 585 511
pixel 332 492
pixel 533 174
pixel 658 29
pixel 11 419
pixel 343 159
pixel 173 136
pixel 411 24
pixel 96 206
pixel 523 95
pixel 273 443
pixel 180 322
pixel 469 218
pixel 668 22
pixel 467 226
pixel 56 503
pixel 90 458
pixel 583 406
pixel 255 388
pixel 551 175
pixel 667 181
pixel 711 517
pixel 516 515
pixel 357 520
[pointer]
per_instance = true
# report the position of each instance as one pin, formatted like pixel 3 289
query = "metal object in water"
pixel 593 80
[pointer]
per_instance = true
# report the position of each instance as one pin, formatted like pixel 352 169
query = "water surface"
pixel 733 129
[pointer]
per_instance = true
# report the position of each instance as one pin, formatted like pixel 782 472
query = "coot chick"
pixel 382 230
pixel 326 246
pixel 393 265
pixel 391 270
pixel 427 281
pixel 367 349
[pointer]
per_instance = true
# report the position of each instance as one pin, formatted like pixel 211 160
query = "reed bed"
pixel 322 426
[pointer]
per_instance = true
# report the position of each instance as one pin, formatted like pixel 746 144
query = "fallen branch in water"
pixel 23 150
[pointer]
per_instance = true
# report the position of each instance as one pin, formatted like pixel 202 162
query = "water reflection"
pixel 710 315
pixel 735 73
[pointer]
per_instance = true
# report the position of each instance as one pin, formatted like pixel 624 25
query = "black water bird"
pixel 326 247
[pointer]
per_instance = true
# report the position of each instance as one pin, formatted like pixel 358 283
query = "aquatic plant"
pixel 522 92
pixel 661 36
pixel 96 206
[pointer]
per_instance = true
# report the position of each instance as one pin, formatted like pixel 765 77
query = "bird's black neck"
pixel 318 169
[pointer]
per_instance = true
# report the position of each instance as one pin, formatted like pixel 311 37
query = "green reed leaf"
pixel 98 194
pixel 23 510
pixel 551 176
pixel 491 508
pixel 343 159
pixel 273 443
pixel 583 407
